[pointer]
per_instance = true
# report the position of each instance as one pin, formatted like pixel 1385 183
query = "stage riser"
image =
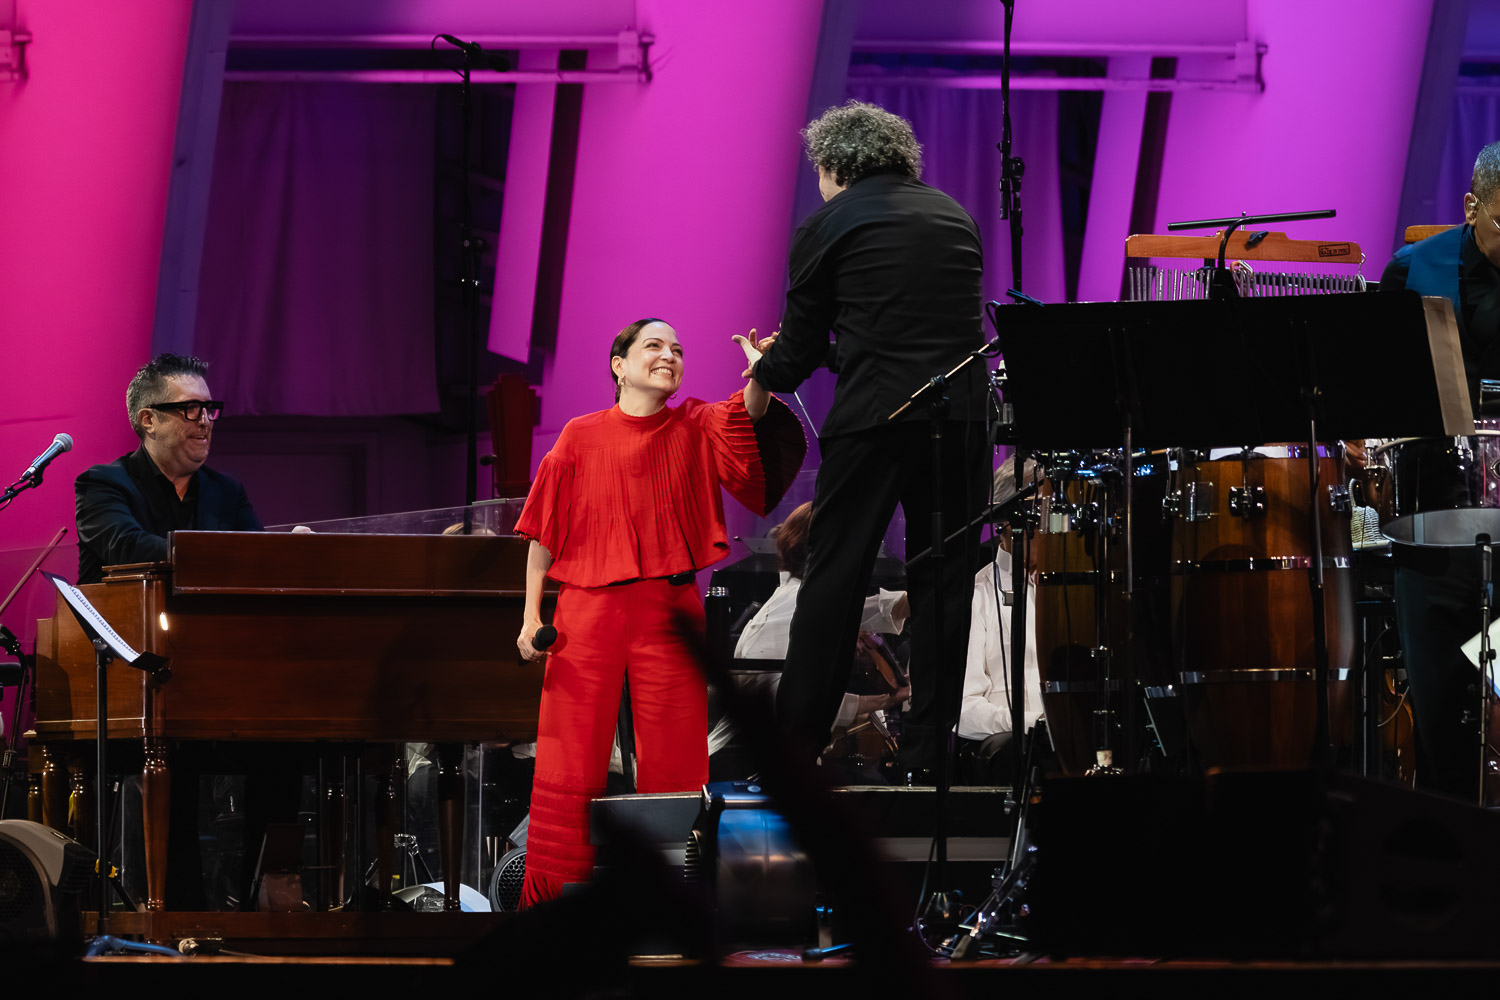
pixel 1270 864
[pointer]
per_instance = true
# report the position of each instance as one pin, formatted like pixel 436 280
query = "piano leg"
pixel 451 818
pixel 331 830
pixel 81 803
pixel 156 806
pixel 54 788
pixel 34 801
pixel 383 762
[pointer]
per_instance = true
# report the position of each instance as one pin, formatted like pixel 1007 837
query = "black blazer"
pixel 117 523
pixel 892 267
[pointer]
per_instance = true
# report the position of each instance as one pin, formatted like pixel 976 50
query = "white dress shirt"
pixel 986 705
pixel 765 638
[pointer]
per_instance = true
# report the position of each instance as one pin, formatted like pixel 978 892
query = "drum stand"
pixel 989 918
pixel 1323 753
pixel 1104 755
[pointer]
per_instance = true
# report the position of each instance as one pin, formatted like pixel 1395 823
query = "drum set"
pixel 1209 654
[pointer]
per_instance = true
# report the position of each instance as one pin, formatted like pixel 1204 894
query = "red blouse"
pixel 626 498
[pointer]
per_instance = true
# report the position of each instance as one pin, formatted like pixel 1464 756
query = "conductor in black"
pixel 890 267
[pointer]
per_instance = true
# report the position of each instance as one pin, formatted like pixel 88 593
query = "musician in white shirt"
pixel 984 721
pixel 765 635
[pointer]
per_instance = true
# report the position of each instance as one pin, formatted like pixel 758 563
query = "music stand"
pixel 108 646
pixel 1239 372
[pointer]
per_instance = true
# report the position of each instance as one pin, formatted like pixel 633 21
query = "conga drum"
pixel 1079 548
pixel 1243 642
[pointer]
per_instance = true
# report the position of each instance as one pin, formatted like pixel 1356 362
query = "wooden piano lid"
pixel 136 571
pixel 349 565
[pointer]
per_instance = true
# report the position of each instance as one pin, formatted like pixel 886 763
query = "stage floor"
pixel 780 972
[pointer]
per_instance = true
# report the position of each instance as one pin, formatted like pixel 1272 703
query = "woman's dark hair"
pixel 624 340
pixel 791 540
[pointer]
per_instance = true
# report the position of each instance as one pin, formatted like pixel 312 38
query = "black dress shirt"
pixel 126 508
pixel 1479 309
pixel 892 267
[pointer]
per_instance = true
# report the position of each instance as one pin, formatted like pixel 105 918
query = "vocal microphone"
pixel 60 444
pixel 545 637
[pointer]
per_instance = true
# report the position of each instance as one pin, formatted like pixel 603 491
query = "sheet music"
pixel 91 618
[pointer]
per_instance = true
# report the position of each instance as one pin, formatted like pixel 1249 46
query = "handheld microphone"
pixel 60 444
pixel 545 637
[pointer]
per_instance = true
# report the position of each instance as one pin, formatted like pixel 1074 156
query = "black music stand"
pixel 1230 373
pixel 108 646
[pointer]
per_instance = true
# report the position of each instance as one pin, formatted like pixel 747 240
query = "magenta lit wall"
pixel 683 198
pixel 1330 131
pixel 85 152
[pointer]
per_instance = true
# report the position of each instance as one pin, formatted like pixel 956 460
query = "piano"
pixel 360 634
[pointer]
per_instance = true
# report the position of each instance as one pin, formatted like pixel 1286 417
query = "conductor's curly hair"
pixel 856 140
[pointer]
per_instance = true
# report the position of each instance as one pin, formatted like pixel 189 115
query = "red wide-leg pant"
pixel 652 632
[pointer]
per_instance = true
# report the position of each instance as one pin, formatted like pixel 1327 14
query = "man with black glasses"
pixel 126 508
pixel 1437 594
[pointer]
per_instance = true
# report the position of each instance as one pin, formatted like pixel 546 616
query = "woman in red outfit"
pixel 624 510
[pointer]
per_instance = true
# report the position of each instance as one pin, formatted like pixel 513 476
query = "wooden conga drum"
pixel 1242 615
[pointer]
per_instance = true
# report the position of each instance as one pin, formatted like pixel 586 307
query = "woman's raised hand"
pixel 754 348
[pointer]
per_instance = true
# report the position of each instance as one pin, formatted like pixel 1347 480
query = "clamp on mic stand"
pixel 20 486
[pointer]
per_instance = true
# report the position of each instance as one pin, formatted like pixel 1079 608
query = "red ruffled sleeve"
pixel 545 518
pixel 756 460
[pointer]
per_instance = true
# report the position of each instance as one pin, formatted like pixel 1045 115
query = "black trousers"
pixel 862 478
pixel 1437 611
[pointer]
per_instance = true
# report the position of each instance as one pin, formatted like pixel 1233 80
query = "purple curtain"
pixel 1475 124
pixel 316 294
pixel 958 130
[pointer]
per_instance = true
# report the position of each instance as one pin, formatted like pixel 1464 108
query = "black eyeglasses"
pixel 192 410
pixel 1493 221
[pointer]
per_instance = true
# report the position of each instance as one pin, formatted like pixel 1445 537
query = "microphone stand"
pixel 12 645
pixel 473 249
pixel 1012 169
pixel 934 394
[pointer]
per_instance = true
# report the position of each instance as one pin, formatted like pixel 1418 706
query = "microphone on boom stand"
pixel 32 477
